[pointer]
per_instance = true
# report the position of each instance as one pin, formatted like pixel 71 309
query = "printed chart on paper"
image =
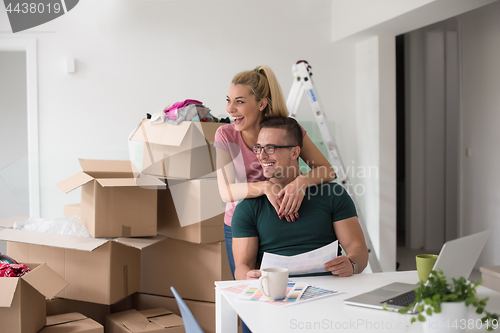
pixel 305 263
pixel 296 293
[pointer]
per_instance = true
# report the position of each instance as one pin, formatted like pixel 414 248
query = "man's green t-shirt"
pixel 322 206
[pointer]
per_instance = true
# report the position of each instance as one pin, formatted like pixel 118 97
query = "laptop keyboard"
pixel 403 299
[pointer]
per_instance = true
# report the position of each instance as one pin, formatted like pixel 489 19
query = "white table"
pixel 327 314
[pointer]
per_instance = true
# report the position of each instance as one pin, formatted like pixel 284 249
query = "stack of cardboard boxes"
pixel 165 224
pixel 190 215
pixel 22 299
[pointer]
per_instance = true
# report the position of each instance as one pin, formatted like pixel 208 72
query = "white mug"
pixel 273 282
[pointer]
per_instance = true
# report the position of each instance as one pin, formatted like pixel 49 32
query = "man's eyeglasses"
pixel 268 149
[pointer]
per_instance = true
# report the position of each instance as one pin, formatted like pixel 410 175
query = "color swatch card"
pixel 305 263
pixel 238 289
pixel 313 292
pixel 294 291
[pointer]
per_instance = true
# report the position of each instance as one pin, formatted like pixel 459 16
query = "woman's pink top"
pixel 247 166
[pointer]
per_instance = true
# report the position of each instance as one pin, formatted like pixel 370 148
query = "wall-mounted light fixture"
pixel 70 65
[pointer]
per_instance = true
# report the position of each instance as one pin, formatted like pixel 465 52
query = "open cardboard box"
pixel 203 312
pixel 491 277
pixel 94 311
pixel 71 323
pixel 197 206
pixel 190 268
pixel 114 203
pixel 151 320
pixel 22 299
pixel 191 210
pixel 100 271
pixel 180 151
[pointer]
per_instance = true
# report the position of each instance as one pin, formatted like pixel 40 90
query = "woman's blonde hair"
pixel 263 84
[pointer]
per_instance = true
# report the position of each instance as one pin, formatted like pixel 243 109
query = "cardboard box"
pixel 72 210
pixel 203 312
pixel 192 211
pixel 71 323
pixel 151 320
pixel 180 151
pixel 113 203
pixel 491 277
pixel 97 312
pixel 9 221
pixel 99 270
pixel 22 299
pixel 190 268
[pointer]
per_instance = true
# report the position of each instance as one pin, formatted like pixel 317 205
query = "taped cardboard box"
pixel 113 202
pixel 71 323
pixel 203 312
pixel 22 299
pixel 151 320
pixel 191 210
pixel 491 277
pixel 190 268
pixel 97 312
pixel 99 270
pixel 180 151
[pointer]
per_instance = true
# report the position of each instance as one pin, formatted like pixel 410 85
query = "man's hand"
pixel 253 274
pixel 340 266
pixel 290 198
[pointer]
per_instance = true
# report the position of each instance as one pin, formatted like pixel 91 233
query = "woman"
pixel 252 96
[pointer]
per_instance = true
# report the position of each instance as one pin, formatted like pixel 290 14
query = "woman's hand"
pixel 271 192
pixel 290 198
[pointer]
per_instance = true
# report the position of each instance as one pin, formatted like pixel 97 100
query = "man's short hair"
pixel 290 125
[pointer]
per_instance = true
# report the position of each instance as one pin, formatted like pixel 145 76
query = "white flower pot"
pixel 452 318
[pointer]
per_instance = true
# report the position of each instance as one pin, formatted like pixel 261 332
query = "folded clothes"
pixel 171 113
pixel 196 111
pixel 13 270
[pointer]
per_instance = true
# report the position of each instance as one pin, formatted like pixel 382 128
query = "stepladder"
pixel 303 84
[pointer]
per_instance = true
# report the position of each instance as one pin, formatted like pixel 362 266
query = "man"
pixel 327 212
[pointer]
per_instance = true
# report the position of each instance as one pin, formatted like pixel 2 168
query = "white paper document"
pixel 305 263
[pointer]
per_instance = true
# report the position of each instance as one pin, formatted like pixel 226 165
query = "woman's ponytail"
pixel 263 84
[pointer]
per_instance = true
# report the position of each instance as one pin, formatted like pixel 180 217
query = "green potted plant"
pixel 450 303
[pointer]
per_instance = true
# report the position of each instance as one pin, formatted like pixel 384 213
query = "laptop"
pixel 456 259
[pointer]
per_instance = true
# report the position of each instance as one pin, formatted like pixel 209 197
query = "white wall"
pixel 480 196
pixel 360 19
pixel 134 57
pixel 375 105
pixel 14 191
pixel 353 16
pixel 13 135
pixel 386 22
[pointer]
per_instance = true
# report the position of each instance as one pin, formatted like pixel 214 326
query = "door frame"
pixel 29 45
pixel 433 125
